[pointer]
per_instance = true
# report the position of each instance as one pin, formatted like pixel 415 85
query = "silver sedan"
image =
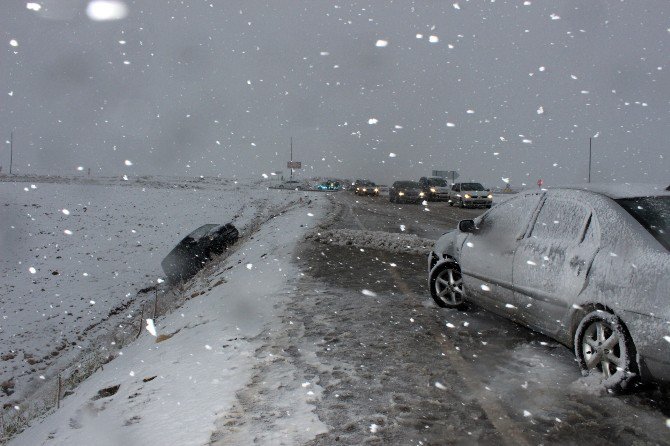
pixel 588 266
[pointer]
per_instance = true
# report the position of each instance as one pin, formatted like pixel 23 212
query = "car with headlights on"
pixel 365 187
pixel 406 192
pixel 329 186
pixel 470 194
pixel 435 188
pixel 588 266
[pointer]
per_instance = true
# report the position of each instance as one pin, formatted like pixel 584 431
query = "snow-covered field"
pixel 176 381
pixel 75 254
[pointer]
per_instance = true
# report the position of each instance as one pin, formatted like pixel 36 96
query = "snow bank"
pixel 386 241
pixel 75 252
pixel 173 387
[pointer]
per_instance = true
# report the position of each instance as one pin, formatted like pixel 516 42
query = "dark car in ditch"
pixel 196 249
pixel 588 266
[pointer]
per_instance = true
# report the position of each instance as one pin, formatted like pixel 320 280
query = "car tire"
pixel 446 285
pixel 604 348
pixel 461 204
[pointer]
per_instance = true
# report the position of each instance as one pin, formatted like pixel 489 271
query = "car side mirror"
pixel 466 226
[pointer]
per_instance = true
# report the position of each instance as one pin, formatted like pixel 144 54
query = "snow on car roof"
pixel 616 191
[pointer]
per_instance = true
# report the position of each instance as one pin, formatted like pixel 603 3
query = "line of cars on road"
pixel 431 189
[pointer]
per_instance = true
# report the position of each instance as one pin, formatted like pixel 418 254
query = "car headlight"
pixel 376 189
pixel 467 196
pixel 421 194
pixel 490 197
pixel 401 193
pixel 432 189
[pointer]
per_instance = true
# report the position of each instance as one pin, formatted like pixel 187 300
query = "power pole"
pixel 291 158
pixel 590 159
pixel 11 151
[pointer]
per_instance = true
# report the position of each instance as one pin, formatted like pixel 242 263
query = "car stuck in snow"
pixel 588 266
pixel 196 249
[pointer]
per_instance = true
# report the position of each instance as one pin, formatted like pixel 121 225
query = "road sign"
pixel 294 165
pixel 446 174
pixel 540 182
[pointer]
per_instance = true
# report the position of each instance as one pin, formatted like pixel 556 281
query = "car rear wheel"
pixel 604 349
pixel 446 286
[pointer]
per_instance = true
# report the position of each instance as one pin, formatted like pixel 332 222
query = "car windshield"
pixel 407 184
pixel 439 182
pixel 653 213
pixel 472 186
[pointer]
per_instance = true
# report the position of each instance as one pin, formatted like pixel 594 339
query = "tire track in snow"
pixel 508 429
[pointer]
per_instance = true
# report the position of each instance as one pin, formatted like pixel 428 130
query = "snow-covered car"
pixel 470 194
pixel 196 249
pixel 365 187
pixel 435 188
pixel 292 185
pixel 588 266
pixel 406 192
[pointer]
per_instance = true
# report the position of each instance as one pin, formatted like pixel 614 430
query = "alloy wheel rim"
pixel 449 286
pixel 602 347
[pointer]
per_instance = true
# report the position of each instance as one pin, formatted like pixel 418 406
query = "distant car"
pixel 365 187
pixel 434 188
pixel 470 194
pixel 329 186
pixel 406 191
pixel 589 267
pixel 196 249
pixel 291 185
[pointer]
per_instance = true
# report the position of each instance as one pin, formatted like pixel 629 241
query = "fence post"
pixel 60 388
pixel 155 303
pixel 141 321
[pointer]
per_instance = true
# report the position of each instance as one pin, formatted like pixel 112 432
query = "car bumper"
pixel 437 196
pixel 409 198
pixel 653 350
pixel 477 202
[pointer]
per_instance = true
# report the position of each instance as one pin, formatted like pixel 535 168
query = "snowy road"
pixel 392 368
pixel 294 341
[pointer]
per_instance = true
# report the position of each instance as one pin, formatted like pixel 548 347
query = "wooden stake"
pixel 155 303
pixel 141 321
pixel 60 389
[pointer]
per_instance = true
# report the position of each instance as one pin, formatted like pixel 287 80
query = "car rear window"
pixel 653 213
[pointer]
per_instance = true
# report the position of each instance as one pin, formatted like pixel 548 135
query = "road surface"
pixel 389 367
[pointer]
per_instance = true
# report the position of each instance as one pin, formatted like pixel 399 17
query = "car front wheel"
pixel 446 286
pixel 604 348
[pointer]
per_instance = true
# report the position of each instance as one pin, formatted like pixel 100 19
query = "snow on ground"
pixel 387 241
pixel 73 253
pixel 173 386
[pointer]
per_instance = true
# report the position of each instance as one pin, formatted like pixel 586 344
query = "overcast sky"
pixel 504 89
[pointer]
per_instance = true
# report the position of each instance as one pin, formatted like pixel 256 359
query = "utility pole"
pixel 11 151
pixel 291 158
pixel 590 159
